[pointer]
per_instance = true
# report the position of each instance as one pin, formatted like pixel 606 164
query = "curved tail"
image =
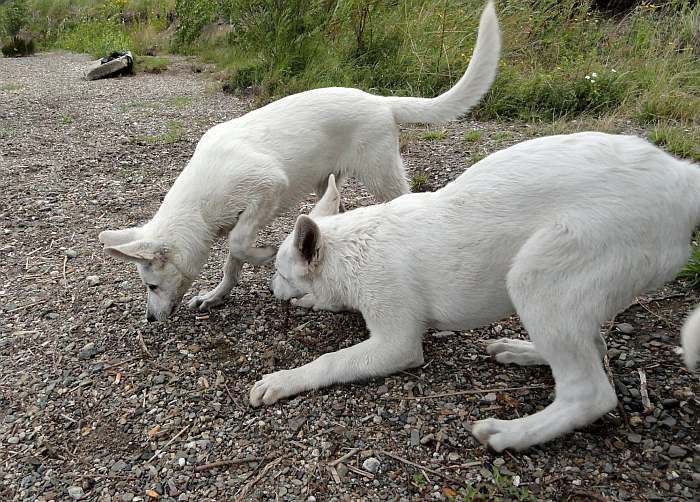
pixel 468 90
pixel 690 339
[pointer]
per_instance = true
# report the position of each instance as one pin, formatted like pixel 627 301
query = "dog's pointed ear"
pixel 307 238
pixel 118 237
pixel 139 251
pixel 330 202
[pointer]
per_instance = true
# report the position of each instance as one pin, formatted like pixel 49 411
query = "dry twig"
pixel 241 495
pixel 417 466
pixel 233 461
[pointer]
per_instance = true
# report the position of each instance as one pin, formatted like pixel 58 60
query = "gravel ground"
pixel 97 404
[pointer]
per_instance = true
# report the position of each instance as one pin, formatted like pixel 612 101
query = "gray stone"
pixel 93 280
pixel 676 451
pixel 635 438
pixel 71 253
pixel 490 397
pixel 99 70
pixel 371 465
pixel 625 328
pixel 76 492
pixel 415 437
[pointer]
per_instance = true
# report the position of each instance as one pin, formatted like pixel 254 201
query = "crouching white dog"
pixel 247 171
pixel 563 230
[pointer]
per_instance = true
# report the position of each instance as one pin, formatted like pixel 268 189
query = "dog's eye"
pixel 152 287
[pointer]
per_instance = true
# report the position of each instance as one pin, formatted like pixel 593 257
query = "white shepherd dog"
pixel 247 171
pixel 564 230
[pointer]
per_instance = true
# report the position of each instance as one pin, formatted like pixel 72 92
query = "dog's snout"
pixel 150 317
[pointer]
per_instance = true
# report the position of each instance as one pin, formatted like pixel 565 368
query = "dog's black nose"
pixel 150 317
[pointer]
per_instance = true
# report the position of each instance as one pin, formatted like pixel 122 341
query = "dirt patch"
pixel 94 401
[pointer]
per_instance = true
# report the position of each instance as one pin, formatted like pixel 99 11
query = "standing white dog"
pixel 563 230
pixel 247 171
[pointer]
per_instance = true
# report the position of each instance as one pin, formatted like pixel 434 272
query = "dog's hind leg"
pixel 241 250
pixel 563 288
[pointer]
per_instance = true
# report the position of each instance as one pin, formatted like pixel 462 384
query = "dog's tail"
pixel 690 339
pixel 468 90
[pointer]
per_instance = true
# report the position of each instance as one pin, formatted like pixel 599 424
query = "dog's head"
pixel 165 279
pixel 301 252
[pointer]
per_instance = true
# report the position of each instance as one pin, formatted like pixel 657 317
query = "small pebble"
pixel 634 438
pixel 625 328
pixel 76 492
pixel 93 280
pixel 71 253
pixel 676 451
pixel 371 465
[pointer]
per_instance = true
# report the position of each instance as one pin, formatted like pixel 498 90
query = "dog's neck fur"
pixel 185 227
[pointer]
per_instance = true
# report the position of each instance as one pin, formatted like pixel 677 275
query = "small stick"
pixel 473 391
pixel 27 306
pixel 120 363
pixel 344 457
pixel 648 407
pixel 418 466
pixel 159 451
pixel 143 345
pixel 65 280
pixel 359 471
pixel 233 461
pixel 244 491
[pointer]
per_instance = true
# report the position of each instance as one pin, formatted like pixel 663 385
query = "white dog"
pixel 247 171
pixel 563 230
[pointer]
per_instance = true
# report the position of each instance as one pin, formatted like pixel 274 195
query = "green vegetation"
pixel 691 271
pixel 10 87
pixel 14 17
pixel 677 141
pixel 173 134
pixel 434 135
pixel 472 136
pixel 180 101
pixel 419 182
pixel 561 58
pixel 151 64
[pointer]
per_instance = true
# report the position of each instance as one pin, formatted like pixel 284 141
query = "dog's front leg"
pixel 241 250
pixel 378 356
pixel 217 296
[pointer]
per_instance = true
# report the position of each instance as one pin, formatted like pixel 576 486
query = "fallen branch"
pixel 418 466
pixel 233 461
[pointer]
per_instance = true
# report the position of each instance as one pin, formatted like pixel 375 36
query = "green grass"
pixel 691 271
pixel 419 183
pixel 434 135
pixel 67 119
pixel 11 87
pixel 472 136
pixel 173 134
pixel 180 102
pixel 151 64
pixel 680 142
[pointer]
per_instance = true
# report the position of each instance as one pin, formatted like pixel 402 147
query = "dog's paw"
pixel 496 434
pixel 514 351
pixel 272 387
pixel 206 302
pixel 307 301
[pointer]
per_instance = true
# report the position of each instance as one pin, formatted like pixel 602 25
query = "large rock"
pixel 112 67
